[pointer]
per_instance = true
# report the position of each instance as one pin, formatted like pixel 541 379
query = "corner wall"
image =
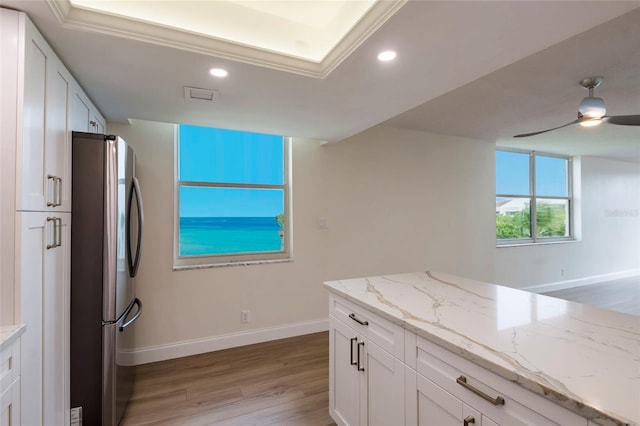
pixel 395 201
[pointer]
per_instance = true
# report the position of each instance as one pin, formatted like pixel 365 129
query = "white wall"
pixel 395 200
pixel 610 235
pixel 8 137
pixel 404 201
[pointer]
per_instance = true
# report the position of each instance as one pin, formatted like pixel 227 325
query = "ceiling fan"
pixel 591 111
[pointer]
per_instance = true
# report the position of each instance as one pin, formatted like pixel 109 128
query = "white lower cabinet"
pixel 429 404
pixel 493 399
pixel 10 384
pixel 345 379
pixel 367 382
pixel 44 270
pixel 382 374
pixel 10 406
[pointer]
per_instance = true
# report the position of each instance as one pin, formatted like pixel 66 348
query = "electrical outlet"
pixel 323 223
pixel 245 317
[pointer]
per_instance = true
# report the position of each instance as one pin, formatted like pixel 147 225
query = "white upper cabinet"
pixel 81 112
pixel 49 104
pixel 84 116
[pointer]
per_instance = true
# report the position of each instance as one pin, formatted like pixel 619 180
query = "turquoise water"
pixel 227 235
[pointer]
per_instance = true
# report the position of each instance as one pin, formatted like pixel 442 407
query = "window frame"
pixel 217 260
pixel 533 196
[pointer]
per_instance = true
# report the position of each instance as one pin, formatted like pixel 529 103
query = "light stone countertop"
pixel 9 333
pixel 584 358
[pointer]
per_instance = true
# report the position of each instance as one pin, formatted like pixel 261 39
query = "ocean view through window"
pixel 533 197
pixel 232 196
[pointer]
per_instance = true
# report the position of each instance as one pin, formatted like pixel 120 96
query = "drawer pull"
pixel 359 321
pixel 498 400
pixel 469 420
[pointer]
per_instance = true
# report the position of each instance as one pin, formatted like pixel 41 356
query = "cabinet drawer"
pixel 384 333
pixel 9 365
pixel 521 406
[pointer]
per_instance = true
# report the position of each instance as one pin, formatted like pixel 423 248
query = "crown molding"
pixel 76 18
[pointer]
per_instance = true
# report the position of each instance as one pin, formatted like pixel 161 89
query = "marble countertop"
pixel 8 333
pixel 584 358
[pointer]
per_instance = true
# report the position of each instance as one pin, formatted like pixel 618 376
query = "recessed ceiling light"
pixel 218 72
pixel 387 55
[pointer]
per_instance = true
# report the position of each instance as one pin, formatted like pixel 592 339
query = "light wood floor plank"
pixel 279 382
pixel 621 295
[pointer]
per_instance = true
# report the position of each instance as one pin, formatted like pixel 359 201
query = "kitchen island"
pixel 500 354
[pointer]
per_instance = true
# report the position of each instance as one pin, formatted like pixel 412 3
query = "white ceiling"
pixel 308 29
pixel 480 69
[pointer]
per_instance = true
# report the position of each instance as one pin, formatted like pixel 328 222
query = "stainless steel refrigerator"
pixel 106 241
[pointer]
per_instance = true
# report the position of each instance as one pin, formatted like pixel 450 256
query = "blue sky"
pixel 217 155
pixel 512 174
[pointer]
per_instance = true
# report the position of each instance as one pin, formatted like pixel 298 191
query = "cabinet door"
pixel 344 377
pixel 58 137
pixel 97 123
pixel 384 391
pixel 44 153
pixel 80 111
pixel 10 405
pixel 85 117
pixel 435 405
pixel 30 174
pixel 44 261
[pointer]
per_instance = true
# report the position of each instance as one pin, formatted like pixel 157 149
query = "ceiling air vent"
pixel 200 94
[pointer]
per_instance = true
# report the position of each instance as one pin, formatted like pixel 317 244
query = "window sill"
pixel 222 265
pixel 538 243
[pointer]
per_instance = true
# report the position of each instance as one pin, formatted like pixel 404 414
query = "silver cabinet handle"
pixel 498 400
pixel 351 361
pixel 52 219
pixel 360 367
pixel 468 420
pixel 359 321
pixel 57 232
pixel 52 178
pixel 57 191
pixel 59 220
pixel 58 200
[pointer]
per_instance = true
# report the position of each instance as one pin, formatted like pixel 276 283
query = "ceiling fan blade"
pixel 624 120
pixel 524 135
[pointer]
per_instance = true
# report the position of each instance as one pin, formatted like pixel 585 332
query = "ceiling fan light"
pixel 590 122
pixel 592 107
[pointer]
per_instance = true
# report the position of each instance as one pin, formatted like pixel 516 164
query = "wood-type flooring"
pixel 622 295
pixel 282 382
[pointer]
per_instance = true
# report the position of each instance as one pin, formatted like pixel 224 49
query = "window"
pixel 533 197
pixel 232 196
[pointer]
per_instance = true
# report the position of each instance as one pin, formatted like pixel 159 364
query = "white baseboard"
pixel 216 343
pixel 595 279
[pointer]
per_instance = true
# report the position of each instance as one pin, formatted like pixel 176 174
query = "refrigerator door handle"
pixel 122 316
pixel 135 262
pixel 128 311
